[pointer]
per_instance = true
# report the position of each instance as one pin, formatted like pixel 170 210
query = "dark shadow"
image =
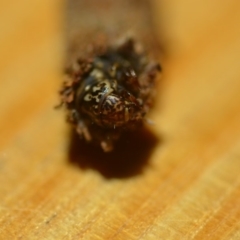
pixel 130 156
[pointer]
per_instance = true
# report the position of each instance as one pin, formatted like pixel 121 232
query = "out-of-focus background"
pixel 188 183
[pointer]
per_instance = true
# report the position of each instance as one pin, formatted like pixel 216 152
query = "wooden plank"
pixel 181 179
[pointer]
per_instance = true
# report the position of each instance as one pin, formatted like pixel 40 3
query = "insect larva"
pixel 109 93
pixel 109 84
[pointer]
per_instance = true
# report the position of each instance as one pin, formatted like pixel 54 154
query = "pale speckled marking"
pixel 87 88
pixel 108 87
pixel 88 97
pixel 97 99
pixel 132 72
pixel 109 102
pixel 97 74
pixel 96 88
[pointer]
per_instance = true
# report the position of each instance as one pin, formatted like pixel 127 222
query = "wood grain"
pixel 181 180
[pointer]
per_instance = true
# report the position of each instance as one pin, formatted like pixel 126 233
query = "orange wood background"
pixel 182 178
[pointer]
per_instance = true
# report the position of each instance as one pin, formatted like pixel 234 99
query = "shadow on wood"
pixel 131 154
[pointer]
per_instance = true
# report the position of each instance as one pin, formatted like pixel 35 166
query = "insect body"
pixel 109 93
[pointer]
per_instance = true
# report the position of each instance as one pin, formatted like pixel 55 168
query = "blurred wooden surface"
pixel 183 179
